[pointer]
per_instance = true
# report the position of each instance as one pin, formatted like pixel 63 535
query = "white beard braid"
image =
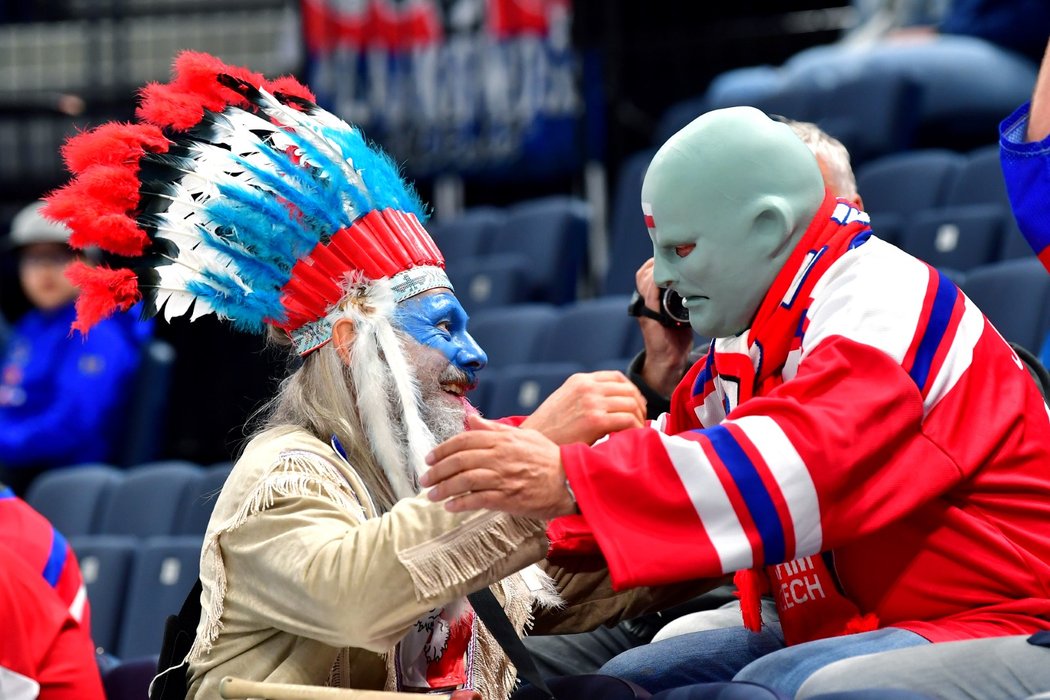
pixel 379 371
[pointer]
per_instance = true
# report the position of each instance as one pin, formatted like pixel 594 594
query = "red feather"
pixel 287 85
pixel 114 143
pixel 102 292
pixel 180 104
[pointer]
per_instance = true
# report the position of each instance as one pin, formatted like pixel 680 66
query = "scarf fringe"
pixel 295 473
pixel 464 553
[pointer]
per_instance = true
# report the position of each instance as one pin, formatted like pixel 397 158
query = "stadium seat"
pixel 591 331
pixel 484 282
pixel 146 410
pixel 551 233
pixel 904 183
pixel 129 680
pixel 961 238
pixel 1014 243
pixel 73 499
pixel 513 335
pixel 871 114
pixel 1015 296
pixel 164 571
pixel 468 234
pixel 105 563
pixel 518 390
pixel 677 116
pixel 629 242
pixel 150 499
pixel 193 520
pixel 979 181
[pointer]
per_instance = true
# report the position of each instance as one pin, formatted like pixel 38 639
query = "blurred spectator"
pixel 61 397
pixel 44 654
pixel 975 64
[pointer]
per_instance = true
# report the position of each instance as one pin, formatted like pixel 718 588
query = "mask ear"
pixel 343 333
pixel 773 228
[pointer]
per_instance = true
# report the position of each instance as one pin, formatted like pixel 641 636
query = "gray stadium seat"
pixel 149 500
pixel 164 572
pixel 513 335
pixel 591 331
pixel 105 564
pixel 73 499
pixel 518 390
pixel 961 238
pixel 201 499
pixel 1015 296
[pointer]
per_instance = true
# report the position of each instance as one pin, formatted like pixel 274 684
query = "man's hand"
pixel 495 466
pixel 587 407
pixel 666 349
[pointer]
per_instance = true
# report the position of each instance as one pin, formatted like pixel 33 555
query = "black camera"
pixel 671 312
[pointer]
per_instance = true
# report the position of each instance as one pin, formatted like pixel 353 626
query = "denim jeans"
pixel 736 653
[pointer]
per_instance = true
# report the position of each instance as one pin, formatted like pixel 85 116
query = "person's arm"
pixel 1024 151
pixel 1039 120
pixel 91 381
pixel 317 571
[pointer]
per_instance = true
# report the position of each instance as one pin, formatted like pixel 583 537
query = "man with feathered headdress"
pixel 322 563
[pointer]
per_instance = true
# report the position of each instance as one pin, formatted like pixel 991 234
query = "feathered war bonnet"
pixel 239 196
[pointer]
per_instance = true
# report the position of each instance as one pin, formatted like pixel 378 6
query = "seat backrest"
pixel 130 680
pixel 468 234
pixel 591 331
pixel 513 335
pixel 552 234
pixel 629 242
pixel 200 499
pixel 147 408
pixel 150 499
pixel 980 180
pixel 960 238
pixel 105 564
pixel 1015 296
pixel 518 390
pixel 164 571
pixel 904 183
pixel 74 498
pixel 872 114
pixel 491 281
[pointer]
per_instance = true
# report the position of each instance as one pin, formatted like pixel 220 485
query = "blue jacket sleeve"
pixel 93 378
pixel 1026 170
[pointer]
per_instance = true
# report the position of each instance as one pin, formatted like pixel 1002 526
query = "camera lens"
pixel 672 304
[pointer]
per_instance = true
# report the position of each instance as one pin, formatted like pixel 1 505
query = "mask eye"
pixel 444 325
pixel 684 250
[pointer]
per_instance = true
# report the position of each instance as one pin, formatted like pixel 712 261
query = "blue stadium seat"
pixel 552 234
pixel 1014 243
pixel 468 234
pixel 164 570
pixel 1015 296
pixel 485 282
pixel 904 183
pixel 73 499
pixel 146 410
pixel 961 238
pixel 871 114
pixel 677 116
pixel 201 499
pixel 629 242
pixel 105 563
pixel 591 331
pixel 980 180
pixel 513 335
pixel 149 500
pixel 129 680
pixel 518 390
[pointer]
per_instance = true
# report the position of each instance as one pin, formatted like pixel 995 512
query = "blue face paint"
pixel 438 321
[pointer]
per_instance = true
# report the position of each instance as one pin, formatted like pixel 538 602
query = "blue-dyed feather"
pixel 300 187
pixel 304 202
pixel 379 173
pixel 248 312
pixel 256 272
pixel 272 221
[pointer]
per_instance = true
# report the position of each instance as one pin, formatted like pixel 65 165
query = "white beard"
pixel 442 413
